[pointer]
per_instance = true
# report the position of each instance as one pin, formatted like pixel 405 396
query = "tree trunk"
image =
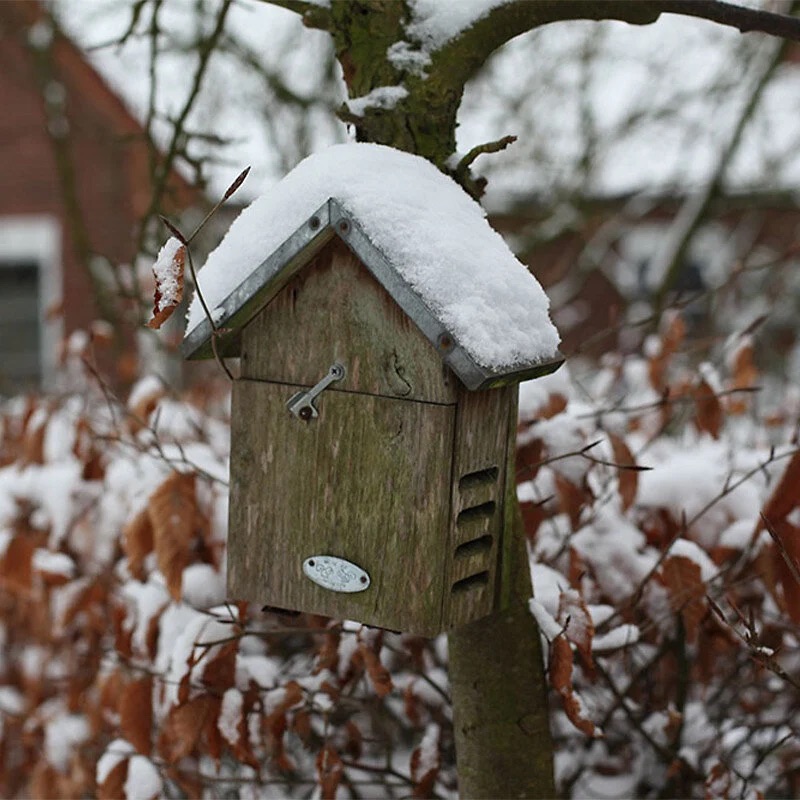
pixel 503 744
pixel 502 733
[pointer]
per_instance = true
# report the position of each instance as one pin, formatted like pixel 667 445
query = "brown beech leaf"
pixel 424 769
pixel 686 590
pixel 354 744
pixel 16 565
pixel 529 459
pixel 378 674
pixel 672 335
pixel 113 787
pixel 328 655
pixel 561 680
pixel 533 515
pixel 411 705
pixel 577 568
pixel 556 403
pixel 301 725
pixel 146 402
pixel 137 542
pixel 784 497
pixel 560 664
pixel 168 272
pixel 329 772
pixel 173 511
pixel 242 748
pixel 708 410
pixel 136 713
pixel 220 673
pixel 111 686
pixel 275 723
pixel 184 725
pixel 571 499
pixel 574 616
pixel 123 633
pixel 211 732
pixel 786 565
pixel 628 478
pixel 744 375
pixel 292 695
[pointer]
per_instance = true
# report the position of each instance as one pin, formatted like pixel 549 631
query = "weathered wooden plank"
pixel 479 459
pixel 368 481
pixel 334 310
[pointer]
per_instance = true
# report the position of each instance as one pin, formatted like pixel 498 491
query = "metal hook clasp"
pixel 302 405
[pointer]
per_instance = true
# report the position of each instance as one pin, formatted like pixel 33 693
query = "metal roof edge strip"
pixel 259 287
pixel 333 219
pixel 472 374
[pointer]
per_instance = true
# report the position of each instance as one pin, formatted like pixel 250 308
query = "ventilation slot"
pixel 475 547
pixel 481 512
pixel 473 479
pixel 472 582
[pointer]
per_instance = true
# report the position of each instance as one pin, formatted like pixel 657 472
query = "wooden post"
pixel 502 734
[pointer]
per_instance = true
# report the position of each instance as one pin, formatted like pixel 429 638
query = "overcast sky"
pixel 612 85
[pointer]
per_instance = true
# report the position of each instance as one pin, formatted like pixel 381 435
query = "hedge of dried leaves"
pixel 661 509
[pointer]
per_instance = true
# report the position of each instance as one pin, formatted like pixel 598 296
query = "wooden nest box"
pixel 369 449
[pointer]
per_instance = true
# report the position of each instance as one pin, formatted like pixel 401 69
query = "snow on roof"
pixel 431 232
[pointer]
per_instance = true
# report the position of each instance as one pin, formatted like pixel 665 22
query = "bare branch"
pixel 313 14
pixel 733 15
pixel 669 259
pixel 474 45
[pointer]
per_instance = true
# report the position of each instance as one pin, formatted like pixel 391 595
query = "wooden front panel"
pixel 334 310
pixel 368 481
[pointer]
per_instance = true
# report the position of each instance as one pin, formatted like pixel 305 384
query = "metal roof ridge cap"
pixel 202 333
pixel 444 341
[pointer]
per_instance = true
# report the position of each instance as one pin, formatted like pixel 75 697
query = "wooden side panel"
pixel 334 310
pixel 478 485
pixel 368 481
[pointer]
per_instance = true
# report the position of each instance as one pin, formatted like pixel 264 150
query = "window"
pixel 30 284
pixel 20 337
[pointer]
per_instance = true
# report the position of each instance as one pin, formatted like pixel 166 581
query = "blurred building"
pixel 74 181
pixel 599 260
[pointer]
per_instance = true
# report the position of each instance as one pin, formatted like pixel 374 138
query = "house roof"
pixel 419 234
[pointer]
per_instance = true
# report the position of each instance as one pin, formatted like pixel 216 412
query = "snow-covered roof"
pixel 425 240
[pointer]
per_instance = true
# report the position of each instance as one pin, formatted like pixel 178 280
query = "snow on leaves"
pixel 560 671
pixel 686 590
pixel 668 605
pixel 652 588
pixel 426 762
pixel 778 517
pixel 168 273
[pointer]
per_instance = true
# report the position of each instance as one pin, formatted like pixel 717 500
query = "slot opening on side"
pixel 476 512
pixel 483 544
pixel 478 478
pixel 477 581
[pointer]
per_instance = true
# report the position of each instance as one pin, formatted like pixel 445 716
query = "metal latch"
pixel 302 403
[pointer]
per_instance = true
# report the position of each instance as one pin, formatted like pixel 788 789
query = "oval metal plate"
pixel 336 574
